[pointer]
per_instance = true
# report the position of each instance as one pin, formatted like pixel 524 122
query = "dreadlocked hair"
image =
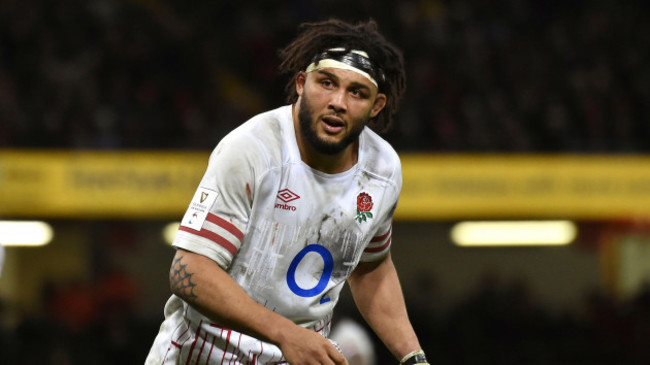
pixel 317 37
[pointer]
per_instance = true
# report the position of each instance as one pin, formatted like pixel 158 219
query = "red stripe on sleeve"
pixel 226 225
pixel 212 237
pixel 381 238
pixel 378 249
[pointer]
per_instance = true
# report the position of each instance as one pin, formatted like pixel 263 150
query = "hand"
pixel 304 347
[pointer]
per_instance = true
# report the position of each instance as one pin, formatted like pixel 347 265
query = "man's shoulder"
pixel 378 155
pixel 264 130
pixel 261 138
pixel 267 123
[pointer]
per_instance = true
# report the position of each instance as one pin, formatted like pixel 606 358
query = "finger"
pixel 338 358
pixel 343 362
pixel 337 355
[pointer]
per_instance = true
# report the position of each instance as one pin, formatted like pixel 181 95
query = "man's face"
pixel 335 105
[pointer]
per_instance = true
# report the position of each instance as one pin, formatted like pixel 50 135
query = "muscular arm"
pixel 378 294
pixel 208 288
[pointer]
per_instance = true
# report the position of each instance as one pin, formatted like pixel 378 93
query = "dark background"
pixel 501 76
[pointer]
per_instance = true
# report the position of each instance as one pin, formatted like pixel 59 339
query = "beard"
pixel 308 132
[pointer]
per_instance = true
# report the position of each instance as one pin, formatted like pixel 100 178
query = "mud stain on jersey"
pixel 346 247
pixel 323 221
pixel 249 193
pixel 275 234
pixel 261 266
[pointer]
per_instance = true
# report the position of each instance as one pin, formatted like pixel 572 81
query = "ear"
pixel 380 103
pixel 300 82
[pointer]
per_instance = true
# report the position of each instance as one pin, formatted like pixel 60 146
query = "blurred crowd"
pixel 502 322
pixel 496 323
pixel 499 76
pixel 82 322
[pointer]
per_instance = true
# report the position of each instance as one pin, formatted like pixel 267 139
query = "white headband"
pixel 348 61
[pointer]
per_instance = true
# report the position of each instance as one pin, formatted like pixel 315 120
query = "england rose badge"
pixel 364 206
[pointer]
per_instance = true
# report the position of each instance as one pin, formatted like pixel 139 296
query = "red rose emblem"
pixel 364 202
pixel 364 205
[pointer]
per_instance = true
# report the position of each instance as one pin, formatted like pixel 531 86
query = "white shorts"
pixel 186 338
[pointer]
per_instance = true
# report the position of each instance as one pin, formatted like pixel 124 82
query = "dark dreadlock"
pixel 318 37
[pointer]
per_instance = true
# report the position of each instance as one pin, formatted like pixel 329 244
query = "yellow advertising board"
pixel 525 186
pixel 157 184
pixel 93 184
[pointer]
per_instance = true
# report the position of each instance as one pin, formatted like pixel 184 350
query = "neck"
pixel 328 163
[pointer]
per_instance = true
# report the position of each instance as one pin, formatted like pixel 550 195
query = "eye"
pixel 327 83
pixel 358 93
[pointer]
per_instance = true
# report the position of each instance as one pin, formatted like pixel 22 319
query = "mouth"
pixel 332 124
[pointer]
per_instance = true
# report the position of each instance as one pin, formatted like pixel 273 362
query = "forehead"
pixel 345 76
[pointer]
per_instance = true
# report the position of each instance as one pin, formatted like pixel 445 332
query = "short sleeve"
pixel 380 244
pixel 216 219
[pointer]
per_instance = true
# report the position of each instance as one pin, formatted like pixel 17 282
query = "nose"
pixel 337 101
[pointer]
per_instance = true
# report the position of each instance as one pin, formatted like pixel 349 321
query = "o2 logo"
pixel 328 266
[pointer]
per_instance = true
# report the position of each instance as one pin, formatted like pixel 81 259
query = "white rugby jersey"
pixel 290 235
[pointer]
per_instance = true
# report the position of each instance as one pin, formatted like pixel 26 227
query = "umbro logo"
pixel 286 196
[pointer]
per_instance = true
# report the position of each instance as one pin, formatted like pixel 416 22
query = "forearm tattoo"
pixel 181 280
